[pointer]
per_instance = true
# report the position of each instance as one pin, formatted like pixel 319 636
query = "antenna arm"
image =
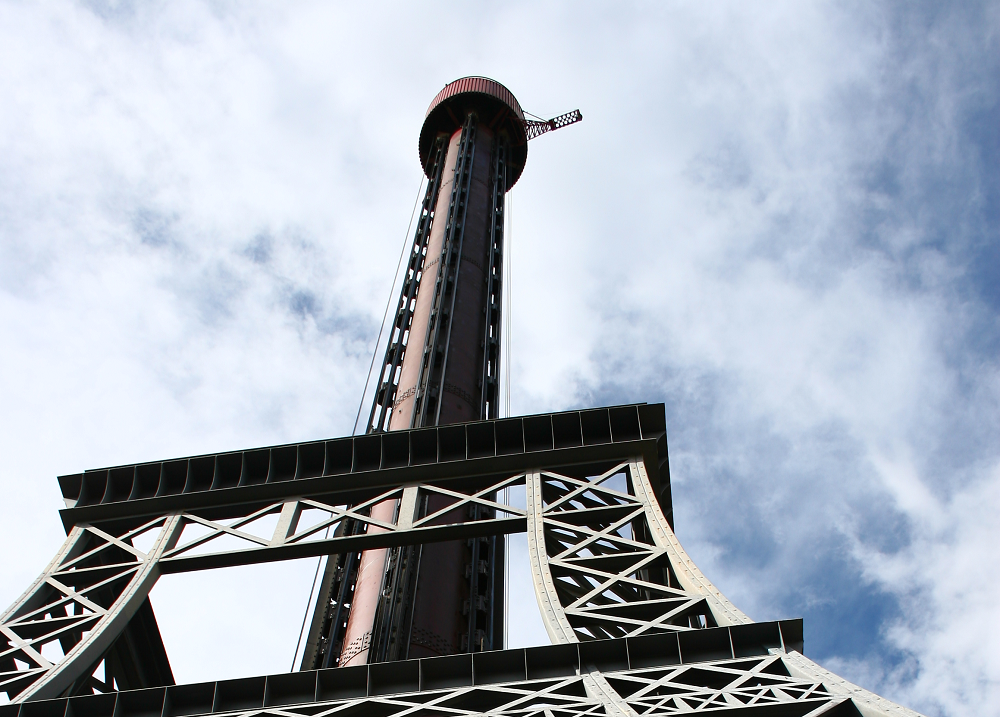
pixel 534 128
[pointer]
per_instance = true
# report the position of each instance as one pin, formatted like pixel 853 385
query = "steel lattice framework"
pixel 637 628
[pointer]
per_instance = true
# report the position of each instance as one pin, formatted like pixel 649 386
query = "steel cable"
pixel 508 234
pixel 361 403
pixel 388 303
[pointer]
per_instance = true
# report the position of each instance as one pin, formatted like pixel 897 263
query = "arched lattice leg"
pixel 605 562
pixel 63 624
pixel 869 703
pixel 553 615
pixel 687 573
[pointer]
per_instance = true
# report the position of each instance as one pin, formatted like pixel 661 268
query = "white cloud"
pixel 772 217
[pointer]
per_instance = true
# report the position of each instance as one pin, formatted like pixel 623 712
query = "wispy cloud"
pixel 779 219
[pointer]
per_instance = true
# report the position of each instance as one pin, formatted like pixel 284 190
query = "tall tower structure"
pixel 441 366
pixel 409 618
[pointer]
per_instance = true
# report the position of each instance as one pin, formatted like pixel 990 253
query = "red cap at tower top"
pixel 495 106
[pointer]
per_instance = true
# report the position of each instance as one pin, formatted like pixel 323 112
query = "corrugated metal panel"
pixel 483 85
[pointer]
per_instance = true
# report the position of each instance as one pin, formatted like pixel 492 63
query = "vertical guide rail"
pixel 432 367
pixel 388 384
pixel 490 397
pixel 406 575
pixel 399 580
pixel 336 593
pixel 480 609
pixel 326 633
pixel 392 625
pixel 393 620
pixel 482 604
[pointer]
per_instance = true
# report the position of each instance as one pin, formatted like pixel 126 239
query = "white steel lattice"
pixel 605 563
pixel 58 631
pixel 69 617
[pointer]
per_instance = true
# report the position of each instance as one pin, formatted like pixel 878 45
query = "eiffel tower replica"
pixel 413 517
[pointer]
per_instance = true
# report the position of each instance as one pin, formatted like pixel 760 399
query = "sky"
pixel 778 218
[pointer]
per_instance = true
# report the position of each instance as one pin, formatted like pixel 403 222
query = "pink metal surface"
pixel 357 637
pixel 442 587
pixel 409 373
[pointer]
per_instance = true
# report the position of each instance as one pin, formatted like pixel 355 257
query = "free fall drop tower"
pixel 412 516
pixel 441 366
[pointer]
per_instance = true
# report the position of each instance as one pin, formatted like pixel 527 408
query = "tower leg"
pixel 447 375
pixel 76 610
pixel 605 563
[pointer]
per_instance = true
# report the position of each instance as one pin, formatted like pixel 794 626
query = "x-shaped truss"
pixel 721 686
pixel 602 564
pixel 240 540
pixel 66 621
pixel 75 610
pixel 604 560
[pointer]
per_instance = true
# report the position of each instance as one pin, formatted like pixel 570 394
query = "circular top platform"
pixel 495 106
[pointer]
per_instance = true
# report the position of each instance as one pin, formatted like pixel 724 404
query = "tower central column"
pixel 441 366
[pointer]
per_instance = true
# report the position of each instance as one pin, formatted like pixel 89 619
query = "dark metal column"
pixel 441 366
pixel 329 625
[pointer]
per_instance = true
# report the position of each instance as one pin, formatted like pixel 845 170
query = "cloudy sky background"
pixel 780 219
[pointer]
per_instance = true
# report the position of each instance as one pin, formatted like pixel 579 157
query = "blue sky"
pixel 780 219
